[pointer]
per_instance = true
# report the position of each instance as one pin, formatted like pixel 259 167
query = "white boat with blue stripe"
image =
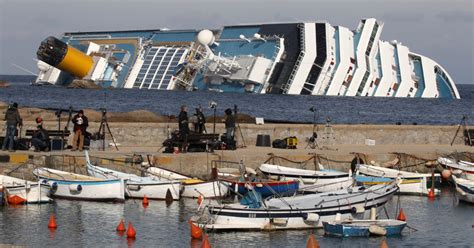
pixel 295 212
pixel 136 186
pixel 80 187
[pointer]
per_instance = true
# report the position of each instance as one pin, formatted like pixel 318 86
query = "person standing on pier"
pixel 13 119
pixel 183 122
pixel 199 126
pixel 229 124
pixel 80 125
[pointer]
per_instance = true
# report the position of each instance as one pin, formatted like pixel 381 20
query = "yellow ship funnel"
pixel 64 57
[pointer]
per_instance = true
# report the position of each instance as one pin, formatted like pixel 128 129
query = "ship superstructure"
pixel 311 58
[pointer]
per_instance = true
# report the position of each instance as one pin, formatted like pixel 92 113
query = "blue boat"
pixel 364 228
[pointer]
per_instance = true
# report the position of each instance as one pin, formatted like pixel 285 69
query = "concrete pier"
pixel 337 146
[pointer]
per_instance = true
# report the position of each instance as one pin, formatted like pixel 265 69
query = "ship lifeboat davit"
pixel 64 57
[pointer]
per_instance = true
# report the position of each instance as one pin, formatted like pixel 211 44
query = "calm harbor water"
pixel 440 223
pixel 342 110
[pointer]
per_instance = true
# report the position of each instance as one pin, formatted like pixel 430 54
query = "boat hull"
pixel 465 167
pixel 278 216
pixel 464 189
pixel 156 191
pixel 361 228
pixel 106 190
pixel 213 189
pixel 310 181
pixel 413 186
pixel 31 194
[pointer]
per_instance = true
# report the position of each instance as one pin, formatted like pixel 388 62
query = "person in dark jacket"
pixel 183 123
pixel 229 124
pixel 200 125
pixel 13 119
pixel 80 126
pixel 40 139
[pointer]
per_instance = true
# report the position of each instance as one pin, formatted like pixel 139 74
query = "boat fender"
pixel 54 186
pixel 457 172
pixel 133 187
pixel 259 185
pixel 75 188
pixel 357 209
pixel 279 221
pixel 338 217
pixel 312 217
pixel 377 230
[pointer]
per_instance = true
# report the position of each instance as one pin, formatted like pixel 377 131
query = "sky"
pixel 441 30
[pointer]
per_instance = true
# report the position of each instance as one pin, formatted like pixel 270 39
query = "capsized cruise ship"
pixel 311 58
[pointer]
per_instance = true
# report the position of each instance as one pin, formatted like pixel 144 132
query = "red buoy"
pixel 431 194
pixel 145 201
pixel 401 216
pixel 121 226
pixel 52 222
pixel 131 233
pixel 384 244
pixel 196 232
pixel 312 242
pixel 205 242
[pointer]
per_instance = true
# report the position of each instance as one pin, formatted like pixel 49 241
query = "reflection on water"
pixel 442 222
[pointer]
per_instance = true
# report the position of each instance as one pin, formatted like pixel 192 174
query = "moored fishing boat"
pixel 411 182
pixel 80 187
pixel 464 189
pixel 19 191
pixel 465 167
pixel 265 188
pixel 310 180
pixel 136 186
pixel 192 188
pixel 363 228
pixel 295 212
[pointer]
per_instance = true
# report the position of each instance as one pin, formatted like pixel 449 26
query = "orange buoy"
pixel 121 226
pixel 205 242
pixel 131 233
pixel 401 216
pixel 384 244
pixel 446 174
pixel 312 242
pixel 145 201
pixel 196 232
pixel 200 199
pixel 15 200
pixel 431 194
pixel 52 222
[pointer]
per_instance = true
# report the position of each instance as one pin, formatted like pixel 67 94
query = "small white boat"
pixel 310 180
pixel 19 191
pixel 464 189
pixel 294 212
pixel 80 187
pixel 364 228
pixel 136 186
pixel 411 182
pixel 192 188
pixel 465 167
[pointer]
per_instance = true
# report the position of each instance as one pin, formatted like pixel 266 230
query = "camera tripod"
pixel 238 127
pixel 103 125
pixel 463 124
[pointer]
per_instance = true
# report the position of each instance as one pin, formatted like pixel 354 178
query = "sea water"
pixel 443 222
pixel 284 108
